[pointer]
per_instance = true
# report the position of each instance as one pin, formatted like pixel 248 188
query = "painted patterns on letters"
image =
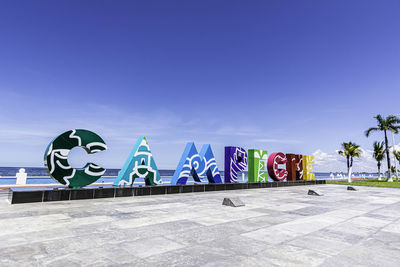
pixel 257 170
pixel 235 162
pixel 294 166
pixel 273 166
pixel 56 158
pixel 140 164
pixel 308 168
pixel 198 165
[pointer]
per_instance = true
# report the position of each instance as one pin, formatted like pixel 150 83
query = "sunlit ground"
pixel 394 184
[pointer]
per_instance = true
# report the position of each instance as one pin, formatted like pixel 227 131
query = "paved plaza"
pixel 277 227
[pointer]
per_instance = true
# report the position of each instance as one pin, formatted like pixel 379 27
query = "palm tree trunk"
pixel 349 166
pixel 379 171
pixel 397 177
pixel 389 179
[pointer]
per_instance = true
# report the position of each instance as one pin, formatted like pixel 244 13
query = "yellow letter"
pixel 308 168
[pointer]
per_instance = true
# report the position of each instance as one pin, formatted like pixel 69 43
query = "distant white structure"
pixel 332 175
pixel 21 177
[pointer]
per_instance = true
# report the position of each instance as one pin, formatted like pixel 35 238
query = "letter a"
pixel 140 164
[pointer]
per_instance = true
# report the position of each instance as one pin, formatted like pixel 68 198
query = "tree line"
pixel 351 150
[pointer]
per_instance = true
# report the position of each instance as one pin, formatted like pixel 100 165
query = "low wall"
pixel 29 195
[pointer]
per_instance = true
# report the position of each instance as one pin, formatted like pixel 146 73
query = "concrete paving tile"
pixel 270 212
pixel 286 255
pixel 239 245
pixel 168 227
pixel 197 255
pixel 240 261
pixel 343 214
pixel 24 253
pixel 25 213
pixel 329 234
pixel 58 247
pixel 250 224
pixel 305 225
pixel 64 262
pixel 116 255
pixel 146 247
pixel 152 230
pixel 278 217
pixel 81 258
pixel 34 223
pixel 373 242
pixel 320 244
pixel 389 212
pixel 362 256
pixel 228 216
pixel 143 221
pixel 278 226
pixel 272 235
pixel 310 211
pixel 8 262
pixel 89 220
pixel 287 206
pixel 13 240
pixel 383 239
pixel 385 200
pixel 203 234
pixel 245 261
pixel 52 234
pixel 345 229
pixel 379 216
pixel 151 206
pixel 393 227
pixel 368 222
pixel 365 207
pixel 101 263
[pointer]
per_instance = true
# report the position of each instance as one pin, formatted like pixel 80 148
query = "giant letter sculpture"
pixel 308 168
pixel 257 167
pixel 299 167
pixel 294 167
pixel 273 166
pixel 235 162
pixel 56 158
pixel 197 165
pixel 291 167
pixel 140 164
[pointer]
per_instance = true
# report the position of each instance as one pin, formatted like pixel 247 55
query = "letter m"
pixel 198 165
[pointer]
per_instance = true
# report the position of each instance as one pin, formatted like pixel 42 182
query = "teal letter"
pixel 140 164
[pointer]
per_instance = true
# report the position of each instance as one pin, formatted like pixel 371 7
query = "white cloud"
pixel 327 162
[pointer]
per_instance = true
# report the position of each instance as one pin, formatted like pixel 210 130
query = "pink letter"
pixel 273 169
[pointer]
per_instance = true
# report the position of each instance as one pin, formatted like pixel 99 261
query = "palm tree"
pixel 350 150
pixel 393 168
pixel 379 155
pixel 390 123
pixel 397 154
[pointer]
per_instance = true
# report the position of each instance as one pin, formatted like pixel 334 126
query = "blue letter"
pixel 197 165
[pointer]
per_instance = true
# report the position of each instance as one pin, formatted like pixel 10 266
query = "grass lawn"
pixel 394 184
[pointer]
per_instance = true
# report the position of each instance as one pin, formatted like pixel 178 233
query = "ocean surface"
pixel 37 175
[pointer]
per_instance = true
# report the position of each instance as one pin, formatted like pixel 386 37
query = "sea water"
pixel 37 175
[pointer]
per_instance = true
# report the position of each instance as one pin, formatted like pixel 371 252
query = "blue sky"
pixel 290 76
